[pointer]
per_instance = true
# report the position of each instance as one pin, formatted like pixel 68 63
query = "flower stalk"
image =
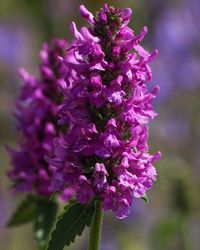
pixel 96 228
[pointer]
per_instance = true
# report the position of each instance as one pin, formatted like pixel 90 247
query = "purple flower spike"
pixel 36 115
pixel 106 110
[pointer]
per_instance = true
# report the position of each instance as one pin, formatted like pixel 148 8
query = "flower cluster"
pixel 36 115
pixel 107 106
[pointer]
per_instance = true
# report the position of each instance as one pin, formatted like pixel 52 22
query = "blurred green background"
pixel 171 221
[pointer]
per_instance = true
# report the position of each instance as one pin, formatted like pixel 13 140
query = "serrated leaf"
pixel 71 222
pixel 145 198
pixel 45 216
pixel 24 213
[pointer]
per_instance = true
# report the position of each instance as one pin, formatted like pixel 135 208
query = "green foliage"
pixel 44 220
pixel 172 232
pixel 41 212
pixel 24 213
pixel 71 222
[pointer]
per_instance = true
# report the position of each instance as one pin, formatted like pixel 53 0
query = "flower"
pixel 36 115
pixel 106 110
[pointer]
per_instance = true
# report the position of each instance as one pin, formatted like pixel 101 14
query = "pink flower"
pixel 106 111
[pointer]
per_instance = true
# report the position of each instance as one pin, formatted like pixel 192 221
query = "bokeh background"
pixel 172 218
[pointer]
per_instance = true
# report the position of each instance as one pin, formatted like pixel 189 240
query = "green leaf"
pixel 24 213
pixel 145 198
pixel 71 222
pixel 44 220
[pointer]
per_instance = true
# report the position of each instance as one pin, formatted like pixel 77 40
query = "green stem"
pixel 187 244
pixel 96 228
